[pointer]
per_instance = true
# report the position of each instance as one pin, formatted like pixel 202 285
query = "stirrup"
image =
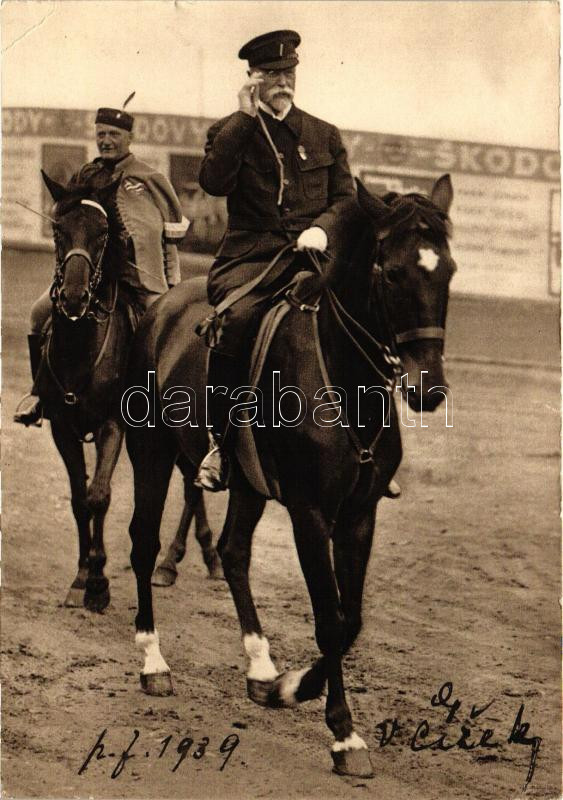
pixel 213 472
pixel 29 412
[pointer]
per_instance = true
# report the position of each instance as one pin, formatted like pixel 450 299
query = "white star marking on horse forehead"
pixel 428 258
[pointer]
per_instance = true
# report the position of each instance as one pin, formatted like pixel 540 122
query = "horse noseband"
pixel 420 333
pixel 78 251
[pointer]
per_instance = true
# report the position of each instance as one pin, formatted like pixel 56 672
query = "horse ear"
pixel 443 193
pixel 56 190
pixel 373 206
pixel 106 192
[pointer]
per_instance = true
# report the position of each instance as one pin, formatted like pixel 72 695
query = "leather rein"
pixel 390 369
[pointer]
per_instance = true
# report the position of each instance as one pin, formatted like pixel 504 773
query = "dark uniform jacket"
pixel 240 163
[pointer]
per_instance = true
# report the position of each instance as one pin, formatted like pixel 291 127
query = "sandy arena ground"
pixel 463 587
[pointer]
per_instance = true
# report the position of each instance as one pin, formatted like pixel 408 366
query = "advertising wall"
pixel 506 211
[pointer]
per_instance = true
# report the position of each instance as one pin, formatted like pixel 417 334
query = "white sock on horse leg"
pixel 352 742
pixel 149 643
pixel 261 666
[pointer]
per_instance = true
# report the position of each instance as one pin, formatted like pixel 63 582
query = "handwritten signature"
pixel 390 730
pixel 98 751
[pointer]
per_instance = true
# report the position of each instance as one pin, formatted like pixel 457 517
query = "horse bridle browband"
pixel 93 203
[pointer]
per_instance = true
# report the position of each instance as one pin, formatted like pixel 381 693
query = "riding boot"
pixel 213 472
pixel 29 410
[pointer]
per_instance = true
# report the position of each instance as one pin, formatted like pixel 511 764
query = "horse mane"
pixel 349 268
pixel 78 192
pixel 406 211
pixel 72 198
pixel 354 231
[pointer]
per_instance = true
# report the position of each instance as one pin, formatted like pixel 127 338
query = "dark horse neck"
pixel 352 326
pixel 349 273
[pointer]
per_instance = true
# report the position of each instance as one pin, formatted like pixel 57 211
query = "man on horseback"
pixel 284 173
pixel 150 222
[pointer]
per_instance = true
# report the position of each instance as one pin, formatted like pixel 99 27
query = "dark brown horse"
pixel 80 379
pixel 383 294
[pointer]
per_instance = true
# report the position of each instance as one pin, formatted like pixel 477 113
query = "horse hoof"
pixel 355 762
pixel 96 596
pixel 259 691
pixel 157 684
pixel 74 598
pixel 97 602
pixel 215 570
pixel 164 576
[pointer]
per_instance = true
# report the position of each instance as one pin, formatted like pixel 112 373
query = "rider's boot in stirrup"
pixel 213 472
pixel 29 410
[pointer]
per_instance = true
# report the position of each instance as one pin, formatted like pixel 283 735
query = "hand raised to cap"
pixel 248 96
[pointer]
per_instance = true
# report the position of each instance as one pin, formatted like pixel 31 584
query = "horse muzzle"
pixel 426 399
pixel 424 384
pixel 73 306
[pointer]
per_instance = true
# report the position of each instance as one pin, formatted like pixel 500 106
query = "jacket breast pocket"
pixel 314 175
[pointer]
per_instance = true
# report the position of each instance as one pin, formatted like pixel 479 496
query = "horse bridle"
pixel 412 334
pixel 95 270
pixel 71 397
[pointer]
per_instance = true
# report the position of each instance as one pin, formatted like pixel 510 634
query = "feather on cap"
pixel 119 118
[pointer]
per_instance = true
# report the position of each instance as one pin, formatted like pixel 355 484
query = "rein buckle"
pixel 313 309
pixel 365 456
pixel 296 303
pixel 70 398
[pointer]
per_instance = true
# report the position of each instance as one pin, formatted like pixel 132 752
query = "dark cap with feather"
pixel 115 117
pixel 119 118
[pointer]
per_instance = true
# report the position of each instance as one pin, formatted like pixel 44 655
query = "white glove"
pixel 313 238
